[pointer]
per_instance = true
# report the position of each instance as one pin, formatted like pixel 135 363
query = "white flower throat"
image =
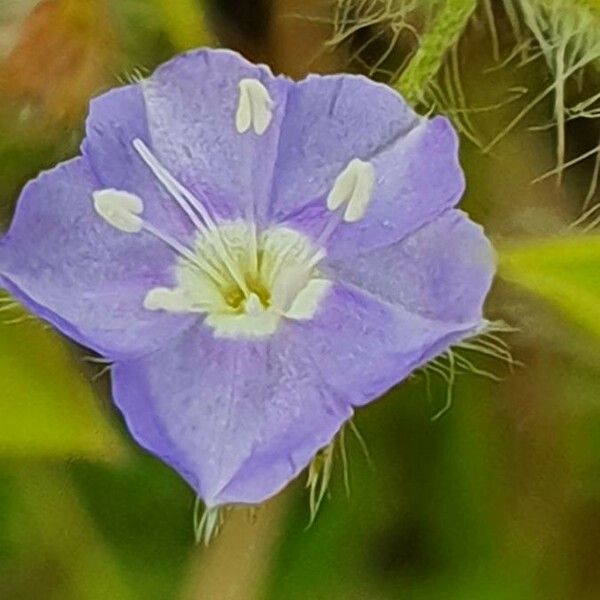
pixel 277 280
pixel 243 280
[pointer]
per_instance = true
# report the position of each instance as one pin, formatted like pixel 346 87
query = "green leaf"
pixel 47 407
pixel 564 271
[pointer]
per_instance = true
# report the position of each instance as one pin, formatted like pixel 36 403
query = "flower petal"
pixel 416 179
pixel 442 272
pixel 330 121
pixel 70 267
pixel 237 419
pixel 115 120
pixel 203 136
pixel 364 346
pixel 240 419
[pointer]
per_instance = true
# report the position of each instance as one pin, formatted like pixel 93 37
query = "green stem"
pixel 443 33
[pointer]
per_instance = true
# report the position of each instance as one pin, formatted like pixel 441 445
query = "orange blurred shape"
pixel 65 52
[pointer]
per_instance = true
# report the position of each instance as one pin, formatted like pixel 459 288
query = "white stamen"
pixel 255 107
pixel 243 116
pixel 182 196
pixel 122 209
pixel 188 203
pixel 353 187
pixel 171 300
pixel 243 326
pixel 293 289
pixel 166 179
pixel 185 252
pixel 288 284
pixel 308 300
pixel 362 194
pixel 342 188
pixel 334 220
pixel 119 209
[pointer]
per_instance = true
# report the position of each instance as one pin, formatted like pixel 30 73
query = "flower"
pixel 256 256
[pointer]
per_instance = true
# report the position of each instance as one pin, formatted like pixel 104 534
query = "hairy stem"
pixel 441 36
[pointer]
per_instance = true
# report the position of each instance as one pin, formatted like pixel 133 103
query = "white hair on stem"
pixel 564 33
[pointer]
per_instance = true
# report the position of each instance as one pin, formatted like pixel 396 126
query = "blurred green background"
pixel 499 497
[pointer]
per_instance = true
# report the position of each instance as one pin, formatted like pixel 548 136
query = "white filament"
pixel 189 203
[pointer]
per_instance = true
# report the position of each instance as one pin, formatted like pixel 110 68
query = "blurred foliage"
pixel 48 408
pixel 411 525
pixel 184 22
pixel 566 271
pixel 60 528
pixel 64 54
pixel 500 498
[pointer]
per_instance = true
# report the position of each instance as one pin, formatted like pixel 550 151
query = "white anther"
pixel 307 302
pixel 255 107
pixel 287 285
pixel 353 187
pixel 120 209
pixel 170 300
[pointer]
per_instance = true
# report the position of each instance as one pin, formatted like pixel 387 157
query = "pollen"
pixel 234 297
pixel 245 282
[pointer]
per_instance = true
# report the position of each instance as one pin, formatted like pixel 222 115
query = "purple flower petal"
pixel 241 419
pixel 363 345
pixel 192 102
pixel 237 419
pixel 67 265
pixel 328 122
pixel 443 271
pixel 115 120
pixel 417 178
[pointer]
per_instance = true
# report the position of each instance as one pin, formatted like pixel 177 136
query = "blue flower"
pixel 257 257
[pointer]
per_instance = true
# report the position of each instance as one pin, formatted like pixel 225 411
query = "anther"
pixel 255 107
pixel 353 187
pixel 171 300
pixel 119 209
